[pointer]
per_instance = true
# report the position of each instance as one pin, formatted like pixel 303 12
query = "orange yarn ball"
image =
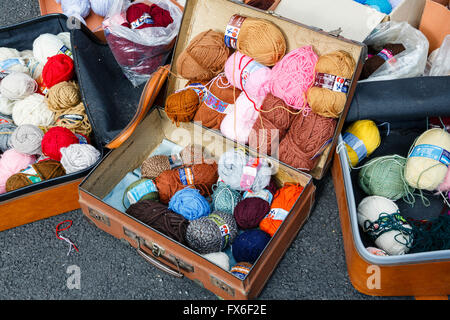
pixel 181 106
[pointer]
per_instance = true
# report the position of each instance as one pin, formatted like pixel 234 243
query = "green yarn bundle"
pixel 142 189
pixel 383 176
pixel 224 198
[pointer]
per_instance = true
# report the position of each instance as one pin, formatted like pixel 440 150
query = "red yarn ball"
pixel 57 69
pixel 55 139
pixel 249 212
pixel 159 16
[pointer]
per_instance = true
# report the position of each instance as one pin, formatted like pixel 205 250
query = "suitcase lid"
pixel 215 14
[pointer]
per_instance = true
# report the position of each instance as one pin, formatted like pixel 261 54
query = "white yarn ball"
pixel 8 53
pixel 32 110
pixel 45 46
pixel 423 172
pixel 219 258
pixel 17 86
pixel 77 157
pixel 101 7
pixel 65 37
pixel 370 209
pixel 76 7
pixel 6 106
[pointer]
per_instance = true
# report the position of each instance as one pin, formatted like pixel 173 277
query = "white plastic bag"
pixel 408 63
pixel 439 60
pixel 140 52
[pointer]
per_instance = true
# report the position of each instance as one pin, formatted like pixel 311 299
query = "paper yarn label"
pixel 66 51
pixel 249 173
pixel 186 176
pixel 175 161
pixel 356 144
pixel 200 90
pixel 332 82
pixel 32 174
pixel 262 194
pixel 385 54
pixel 82 139
pixel 5 65
pixel 432 152
pixel 136 193
pixel 277 214
pixel 144 19
pixel 251 67
pixel 215 103
pixel 223 227
pixel 232 30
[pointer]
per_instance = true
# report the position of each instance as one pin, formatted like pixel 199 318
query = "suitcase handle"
pixel 158 264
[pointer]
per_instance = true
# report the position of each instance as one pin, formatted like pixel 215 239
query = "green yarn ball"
pixel 224 198
pixel 148 196
pixel 383 176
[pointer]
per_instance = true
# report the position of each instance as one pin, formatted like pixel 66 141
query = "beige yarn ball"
pixel 63 95
pixel 32 110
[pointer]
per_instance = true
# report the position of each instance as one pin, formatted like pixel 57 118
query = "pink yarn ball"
pixel 293 75
pixel 248 75
pixel 11 162
pixel 238 124
pixel 445 185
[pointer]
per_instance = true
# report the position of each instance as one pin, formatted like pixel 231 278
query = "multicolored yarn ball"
pixel 249 245
pixel 361 139
pixel 326 100
pixel 190 204
pixel 40 171
pixel 224 198
pixel 204 57
pixel 283 202
pixel 241 270
pixel 293 75
pixel 17 86
pixel 27 139
pixel 11 162
pixel 142 189
pixel 33 110
pixel 427 163
pixel 55 139
pixel 380 218
pixel 58 68
pixel 253 208
pixel 47 45
pixel 218 258
pixel 212 233
pixel 77 157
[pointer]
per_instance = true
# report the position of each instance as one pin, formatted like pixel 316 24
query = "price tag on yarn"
pixel 31 174
pixel 249 172
pixel 186 176
pixel 216 104
pixel 262 194
pixel 356 144
pixel 232 30
pixel 332 82
pixel 277 214
pixel 248 70
pixel 144 19
pixel 136 193
pixel 66 51
pixel 432 152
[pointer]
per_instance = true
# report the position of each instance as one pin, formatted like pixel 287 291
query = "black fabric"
pixel 411 98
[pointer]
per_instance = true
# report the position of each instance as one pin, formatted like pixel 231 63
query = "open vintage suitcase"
pixel 163 252
pixel 59 195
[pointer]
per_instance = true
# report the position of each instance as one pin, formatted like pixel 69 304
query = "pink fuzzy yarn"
pixel 293 75
pixel 248 75
pixel 238 124
pixel 11 162
pixel 445 185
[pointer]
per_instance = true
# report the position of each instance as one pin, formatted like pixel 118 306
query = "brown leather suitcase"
pixel 155 247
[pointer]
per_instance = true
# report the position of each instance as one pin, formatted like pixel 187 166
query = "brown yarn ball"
pixel 63 95
pixel 45 170
pixel 326 102
pixel 304 139
pixel 373 63
pixel 181 106
pixel 204 177
pixel 223 90
pixel 204 57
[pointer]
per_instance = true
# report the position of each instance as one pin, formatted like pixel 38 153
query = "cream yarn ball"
pixel 17 86
pixel 45 46
pixel 394 242
pixel 218 258
pixel 422 171
pixel 77 157
pixel 32 110
pixel 6 105
pixel 8 53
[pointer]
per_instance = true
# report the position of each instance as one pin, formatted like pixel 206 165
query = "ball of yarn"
pixel 75 119
pixel 245 73
pixel 40 171
pixel 224 198
pixel 200 176
pixel 76 7
pixel 32 110
pixel 159 217
pixel 262 40
pixel 305 140
pixel 142 189
pixel 63 95
pixel 8 53
pixel 11 162
pixel 17 86
pixel 328 102
pixel 101 7
pixel 65 38
pixel 235 169
pixel 283 202
pixel 47 45
pixel 139 10
pixel 249 245
pixel 190 204
pixel 241 270
pixel 58 68
pixel 77 157
pixel 212 233
pixel 204 57
pixel 383 176
pixel 55 139
pixel 427 162
pixel 181 106
pixel 377 60
pixel 27 139
pixel 361 139
pixel 6 105
pixel 6 130
pixel 252 209
pixel 381 219
pixel 293 76
pixel 218 258
pixel 383 6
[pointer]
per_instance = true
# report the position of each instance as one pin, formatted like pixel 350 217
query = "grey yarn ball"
pixel 204 235
pixel 7 128
pixel 27 138
pixel 231 167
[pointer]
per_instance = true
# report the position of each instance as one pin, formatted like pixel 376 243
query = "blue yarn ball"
pixel 189 203
pixel 224 198
pixel 381 5
pixel 249 245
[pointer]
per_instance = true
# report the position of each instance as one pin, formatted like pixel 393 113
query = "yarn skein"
pixel 361 139
pixel 159 217
pixel 77 157
pixel 55 139
pixel 27 139
pixel 428 160
pixel 249 245
pixel 241 270
pixel 75 119
pixel 181 106
pixel 325 99
pixel 63 95
pixel 142 189
pixel 381 219
pixel 32 110
pixel 252 209
pixel 17 86
pixel 204 57
pixel 57 69
pixel 48 45
pixel 7 128
pixel 6 105
pixel 224 198
pixel 190 204
pixel 373 63
pixel 218 258
pixel 212 233
pixel 11 162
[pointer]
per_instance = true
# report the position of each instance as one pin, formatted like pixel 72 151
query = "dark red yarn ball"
pixel 58 68
pixel 250 211
pixel 55 139
pixel 160 16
